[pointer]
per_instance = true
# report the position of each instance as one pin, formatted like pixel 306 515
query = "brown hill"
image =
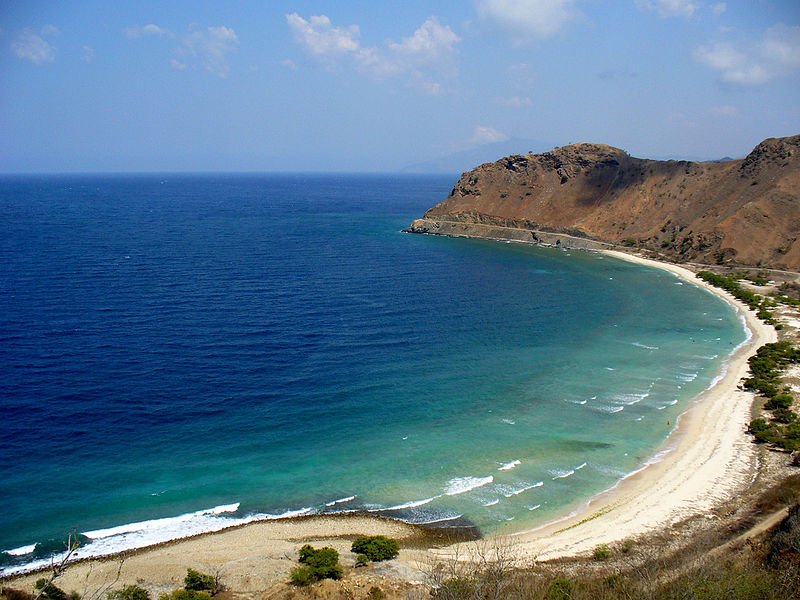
pixel 738 211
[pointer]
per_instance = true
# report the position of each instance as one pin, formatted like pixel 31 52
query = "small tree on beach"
pixel 316 564
pixel 376 547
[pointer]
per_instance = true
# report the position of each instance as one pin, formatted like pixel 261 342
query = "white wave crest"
pixel 510 465
pixel 562 473
pixel 340 501
pixel 516 492
pixel 645 346
pixel 412 504
pixel 461 485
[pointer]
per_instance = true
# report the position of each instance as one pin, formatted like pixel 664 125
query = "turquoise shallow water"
pixel 185 352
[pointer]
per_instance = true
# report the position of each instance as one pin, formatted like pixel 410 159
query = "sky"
pixel 373 86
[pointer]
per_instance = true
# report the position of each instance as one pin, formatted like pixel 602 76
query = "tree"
pixel 316 564
pixel 376 547
pixel 129 592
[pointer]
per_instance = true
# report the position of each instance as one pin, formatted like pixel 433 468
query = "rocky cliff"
pixel 743 212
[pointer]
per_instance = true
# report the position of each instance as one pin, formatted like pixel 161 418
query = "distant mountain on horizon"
pixel 464 160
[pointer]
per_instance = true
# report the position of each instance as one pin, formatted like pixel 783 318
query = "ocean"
pixel 184 352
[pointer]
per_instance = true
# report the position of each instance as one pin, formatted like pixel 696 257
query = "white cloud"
pixel 719 8
pixel 775 55
pixel 516 101
pixel 34 48
pixel 211 46
pixel 149 30
pixel 781 46
pixel 734 66
pixel 486 135
pixel 318 36
pixel 423 57
pixel 87 54
pixel 528 20
pixel 670 8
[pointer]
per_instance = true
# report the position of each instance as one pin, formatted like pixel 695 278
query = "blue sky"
pixel 358 85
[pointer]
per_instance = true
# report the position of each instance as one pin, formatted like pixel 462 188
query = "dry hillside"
pixel 740 211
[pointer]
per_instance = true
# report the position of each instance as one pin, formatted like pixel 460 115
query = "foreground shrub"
pixel 50 591
pixel 197 581
pixel 560 589
pixel 316 564
pixel 14 594
pixel 362 560
pixel 778 401
pixel 185 595
pixel 302 576
pixel 602 552
pixel 376 547
pixel 129 592
pixel 455 588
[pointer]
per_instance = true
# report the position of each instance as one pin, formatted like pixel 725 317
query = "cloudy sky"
pixel 365 85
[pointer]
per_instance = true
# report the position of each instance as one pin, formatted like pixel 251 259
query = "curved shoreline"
pixel 706 459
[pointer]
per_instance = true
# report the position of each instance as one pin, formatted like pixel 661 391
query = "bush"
pixel 602 552
pixel 779 401
pixel 362 560
pixel 47 589
pixel 197 581
pixel 129 592
pixel 784 415
pixel 302 576
pixel 15 594
pixel 376 547
pixel 185 595
pixel 560 589
pixel 455 588
pixel 322 563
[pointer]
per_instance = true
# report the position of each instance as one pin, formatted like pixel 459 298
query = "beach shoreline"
pixel 706 460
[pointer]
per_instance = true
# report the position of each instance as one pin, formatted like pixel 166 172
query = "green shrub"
pixel 302 576
pixel 376 593
pixel 602 552
pixel 376 547
pixel 197 581
pixel 455 588
pixel 362 560
pixel 47 589
pixel 322 563
pixel 560 589
pixel 129 592
pixel 185 595
pixel 784 415
pixel 779 401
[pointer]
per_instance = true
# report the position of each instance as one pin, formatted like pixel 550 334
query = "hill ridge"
pixel 743 212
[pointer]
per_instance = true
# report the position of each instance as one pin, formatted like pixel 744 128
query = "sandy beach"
pixel 708 459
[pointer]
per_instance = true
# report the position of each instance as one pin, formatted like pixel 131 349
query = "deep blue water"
pixel 272 344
